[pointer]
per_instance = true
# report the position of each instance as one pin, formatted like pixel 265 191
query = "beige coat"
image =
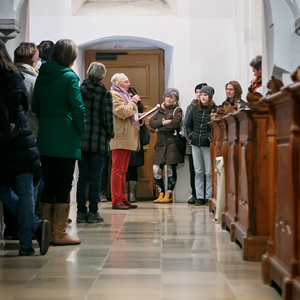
pixel 125 135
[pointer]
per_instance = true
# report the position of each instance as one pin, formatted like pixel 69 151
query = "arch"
pixel 129 43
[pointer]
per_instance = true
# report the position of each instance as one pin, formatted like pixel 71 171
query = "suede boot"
pixel 60 219
pixel 132 191
pixel 167 198
pixel 46 213
pixel 160 197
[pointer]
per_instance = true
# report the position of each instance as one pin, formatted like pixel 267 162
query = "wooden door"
pixel 145 70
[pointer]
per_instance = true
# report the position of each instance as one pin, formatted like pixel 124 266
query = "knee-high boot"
pixel 46 213
pixel 60 219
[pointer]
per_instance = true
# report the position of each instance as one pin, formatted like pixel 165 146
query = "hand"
pixel 166 122
pixel 135 98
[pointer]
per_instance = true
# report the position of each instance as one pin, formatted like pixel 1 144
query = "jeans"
pixel 90 170
pixel 202 165
pixel 120 160
pixel 22 206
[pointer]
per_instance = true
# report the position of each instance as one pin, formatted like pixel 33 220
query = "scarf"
pixel 134 118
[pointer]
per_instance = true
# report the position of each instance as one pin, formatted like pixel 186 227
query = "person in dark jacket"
pixel 95 142
pixel 234 95
pixel 19 157
pixel 198 131
pixel 136 159
pixel 188 151
pixel 167 122
pixel 58 105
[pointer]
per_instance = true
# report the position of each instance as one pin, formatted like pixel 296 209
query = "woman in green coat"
pixel 58 105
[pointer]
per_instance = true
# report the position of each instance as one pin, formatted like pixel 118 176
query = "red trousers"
pixel 120 160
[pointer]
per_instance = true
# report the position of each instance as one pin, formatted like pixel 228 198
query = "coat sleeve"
pixel 156 122
pixel 122 109
pixel 189 124
pixel 76 105
pixel 176 121
pixel 107 115
pixel 187 113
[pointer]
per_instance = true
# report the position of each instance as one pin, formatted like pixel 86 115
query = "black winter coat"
pixel 197 127
pixel 19 155
pixel 165 147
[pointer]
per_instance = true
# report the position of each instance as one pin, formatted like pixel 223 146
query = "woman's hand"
pixel 135 98
pixel 166 122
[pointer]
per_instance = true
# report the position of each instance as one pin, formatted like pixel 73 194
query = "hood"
pixel 50 70
pixel 26 69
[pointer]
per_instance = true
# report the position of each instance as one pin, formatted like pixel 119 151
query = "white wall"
pixel 204 41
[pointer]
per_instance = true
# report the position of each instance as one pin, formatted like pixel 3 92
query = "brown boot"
pixel 46 213
pixel 60 219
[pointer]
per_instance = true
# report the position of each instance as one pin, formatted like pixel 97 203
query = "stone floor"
pixel 158 251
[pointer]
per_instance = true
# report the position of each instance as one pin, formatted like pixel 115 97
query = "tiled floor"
pixel 158 251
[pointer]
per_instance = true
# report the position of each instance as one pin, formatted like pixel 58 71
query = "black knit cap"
pixel 200 86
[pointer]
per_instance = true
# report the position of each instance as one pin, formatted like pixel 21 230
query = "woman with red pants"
pixel 126 138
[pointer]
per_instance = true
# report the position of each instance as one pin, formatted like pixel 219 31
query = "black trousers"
pixel 192 174
pixel 58 177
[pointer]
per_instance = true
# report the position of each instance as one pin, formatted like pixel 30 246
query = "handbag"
pixel 180 142
pixel 144 135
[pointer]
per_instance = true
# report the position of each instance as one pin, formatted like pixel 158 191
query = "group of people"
pixel 48 122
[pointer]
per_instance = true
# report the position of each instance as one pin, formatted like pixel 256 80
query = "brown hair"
pixel 6 63
pixel 210 105
pixel 24 50
pixel 64 52
pixel 237 90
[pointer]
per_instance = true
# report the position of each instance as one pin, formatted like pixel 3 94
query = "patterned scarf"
pixel 126 97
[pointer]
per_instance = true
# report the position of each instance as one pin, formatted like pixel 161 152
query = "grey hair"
pixel 96 70
pixel 256 62
pixel 170 92
pixel 118 78
pixel 64 52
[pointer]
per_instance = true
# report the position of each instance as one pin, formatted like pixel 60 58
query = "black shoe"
pixel 199 202
pixel 192 200
pixel 42 236
pixel 26 251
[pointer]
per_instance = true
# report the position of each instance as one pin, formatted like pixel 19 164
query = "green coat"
pixel 58 104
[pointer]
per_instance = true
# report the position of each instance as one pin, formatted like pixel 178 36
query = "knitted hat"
pixel 200 86
pixel 208 90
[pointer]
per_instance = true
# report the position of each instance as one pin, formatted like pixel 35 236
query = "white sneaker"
pixel 102 197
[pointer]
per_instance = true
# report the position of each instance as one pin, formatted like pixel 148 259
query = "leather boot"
pixel 126 189
pixel 160 197
pixel 132 191
pixel 167 198
pixel 60 219
pixel 46 213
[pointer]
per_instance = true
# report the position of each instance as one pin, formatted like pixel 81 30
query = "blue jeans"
pixel 90 171
pixel 202 165
pixel 22 206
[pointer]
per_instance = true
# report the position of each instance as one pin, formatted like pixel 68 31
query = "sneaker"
pixel 81 218
pixel 192 200
pixel 26 251
pixel 94 218
pixel 102 197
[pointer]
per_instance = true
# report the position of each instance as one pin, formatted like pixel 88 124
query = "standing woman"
pixel 166 122
pixel 234 95
pixel 198 131
pixel 19 157
pixel 126 138
pixel 58 105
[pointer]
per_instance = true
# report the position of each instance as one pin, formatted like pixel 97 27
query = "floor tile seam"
pixel 106 258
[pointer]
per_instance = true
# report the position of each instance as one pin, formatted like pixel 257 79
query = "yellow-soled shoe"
pixel 160 197
pixel 167 198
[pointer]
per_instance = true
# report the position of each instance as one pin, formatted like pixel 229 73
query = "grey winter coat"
pixel 165 148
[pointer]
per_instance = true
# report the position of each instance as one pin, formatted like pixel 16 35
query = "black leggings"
pixel 58 177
